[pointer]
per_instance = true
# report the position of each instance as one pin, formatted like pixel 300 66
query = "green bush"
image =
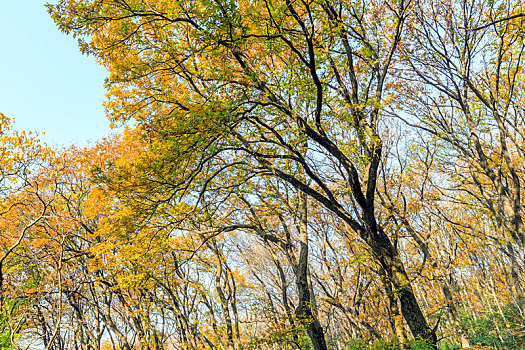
pixel 484 331
pixel 386 344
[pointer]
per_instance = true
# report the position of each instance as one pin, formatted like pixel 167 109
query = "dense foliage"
pixel 309 174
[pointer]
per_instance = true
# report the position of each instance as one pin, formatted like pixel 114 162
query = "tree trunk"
pixel 304 309
pixel 452 309
pixel 396 318
pixel 389 258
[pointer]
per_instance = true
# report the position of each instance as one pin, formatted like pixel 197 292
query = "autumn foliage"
pixel 325 174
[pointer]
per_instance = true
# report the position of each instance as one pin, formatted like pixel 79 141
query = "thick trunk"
pixel 396 318
pixel 390 260
pixel 307 317
pixel 413 315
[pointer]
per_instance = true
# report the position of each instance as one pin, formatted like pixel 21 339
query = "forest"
pixel 291 174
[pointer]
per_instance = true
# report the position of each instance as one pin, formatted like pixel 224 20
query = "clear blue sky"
pixel 46 84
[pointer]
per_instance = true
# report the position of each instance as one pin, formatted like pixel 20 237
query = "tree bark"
pixel 389 258
pixel 304 311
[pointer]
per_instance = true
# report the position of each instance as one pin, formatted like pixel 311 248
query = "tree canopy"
pixel 294 174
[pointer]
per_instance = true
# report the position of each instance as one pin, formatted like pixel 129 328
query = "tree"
pixel 291 89
pixel 468 94
pixel 22 206
pixel 471 98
